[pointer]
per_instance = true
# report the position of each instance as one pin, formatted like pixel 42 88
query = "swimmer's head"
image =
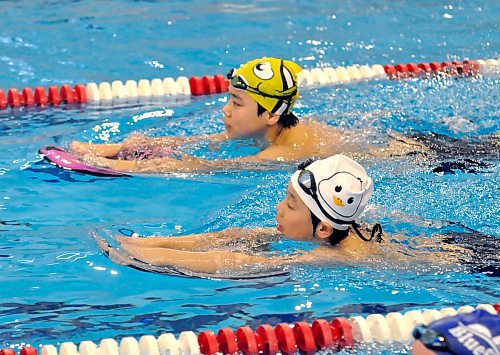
pixel 271 82
pixel 336 190
pixel 477 332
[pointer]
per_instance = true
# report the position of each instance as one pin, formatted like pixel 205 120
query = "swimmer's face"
pixel 293 217
pixel 240 116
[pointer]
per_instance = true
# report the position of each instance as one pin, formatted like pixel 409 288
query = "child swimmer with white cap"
pixel 262 93
pixel 322 203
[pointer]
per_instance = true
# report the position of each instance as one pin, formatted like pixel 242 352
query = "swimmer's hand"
pixel 118 165
pixel 113 254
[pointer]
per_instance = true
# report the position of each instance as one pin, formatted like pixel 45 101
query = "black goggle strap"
pixel 230 73
pixel 377 232
pixel 315 221
pixel 285 97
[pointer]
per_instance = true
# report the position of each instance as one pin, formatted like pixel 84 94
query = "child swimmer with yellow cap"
pixel 323 201
pixel 262 93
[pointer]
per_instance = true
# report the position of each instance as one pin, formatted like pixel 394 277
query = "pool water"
pixel 57 286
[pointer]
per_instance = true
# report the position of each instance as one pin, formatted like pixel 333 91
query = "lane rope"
pixel 300 337
pixel 144 90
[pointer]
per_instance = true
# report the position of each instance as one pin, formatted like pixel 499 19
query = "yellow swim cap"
pixel 272 82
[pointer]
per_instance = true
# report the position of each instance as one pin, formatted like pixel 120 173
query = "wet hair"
pixel 287 120
pixel 337 235
pixel 304 164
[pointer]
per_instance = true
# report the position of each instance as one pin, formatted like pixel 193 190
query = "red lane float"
pixel 28 350
pixel 53 97
pixel 267 341
pixel 342 333
pixel 3 100
pixel 246 340
pixel 208 85
pixel 221 83
pixel 304 338
pixel 322 333
pixel 286 339
pixel 28 98
pixel 390 70
pixel 80 94
pixel 40 97
pixel 196 85
pixel 208 343
pixel 66 94
pixel 227 341
pixel 424 66
pixel 13 98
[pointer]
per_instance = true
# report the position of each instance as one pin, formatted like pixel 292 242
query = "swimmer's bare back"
pixel 329 140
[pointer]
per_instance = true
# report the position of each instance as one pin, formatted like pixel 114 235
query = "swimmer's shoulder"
pixel 321 133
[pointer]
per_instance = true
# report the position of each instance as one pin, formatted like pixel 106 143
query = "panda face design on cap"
pixel 342 193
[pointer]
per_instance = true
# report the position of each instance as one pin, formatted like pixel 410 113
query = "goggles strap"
pixel 377 232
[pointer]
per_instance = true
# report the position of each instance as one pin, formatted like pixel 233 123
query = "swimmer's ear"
pixel 323 230
pixel 271 118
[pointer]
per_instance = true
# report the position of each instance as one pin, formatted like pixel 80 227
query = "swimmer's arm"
pixel 135 140
pixel 190 164
pixel 188 242
pixel 207 262
pixel 101 150
pixel 109 150
pixel 194 241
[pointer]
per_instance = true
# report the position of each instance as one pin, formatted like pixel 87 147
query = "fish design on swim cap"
pixel 272 82
pixel 342 188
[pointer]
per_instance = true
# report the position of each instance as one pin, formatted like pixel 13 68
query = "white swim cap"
pixel 335 189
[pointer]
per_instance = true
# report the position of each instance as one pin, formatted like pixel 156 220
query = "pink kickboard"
pixel 66 160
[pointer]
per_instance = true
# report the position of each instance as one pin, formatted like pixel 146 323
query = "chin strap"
pixel 376 232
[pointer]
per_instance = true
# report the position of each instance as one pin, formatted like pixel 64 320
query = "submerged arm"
pixel 137 141
pixel 265 160
pixel 207 262
pixel 188 164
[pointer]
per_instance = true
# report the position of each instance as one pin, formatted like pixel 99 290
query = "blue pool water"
pixel 57 286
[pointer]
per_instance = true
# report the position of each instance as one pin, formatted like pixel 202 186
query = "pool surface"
pixel 57 286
